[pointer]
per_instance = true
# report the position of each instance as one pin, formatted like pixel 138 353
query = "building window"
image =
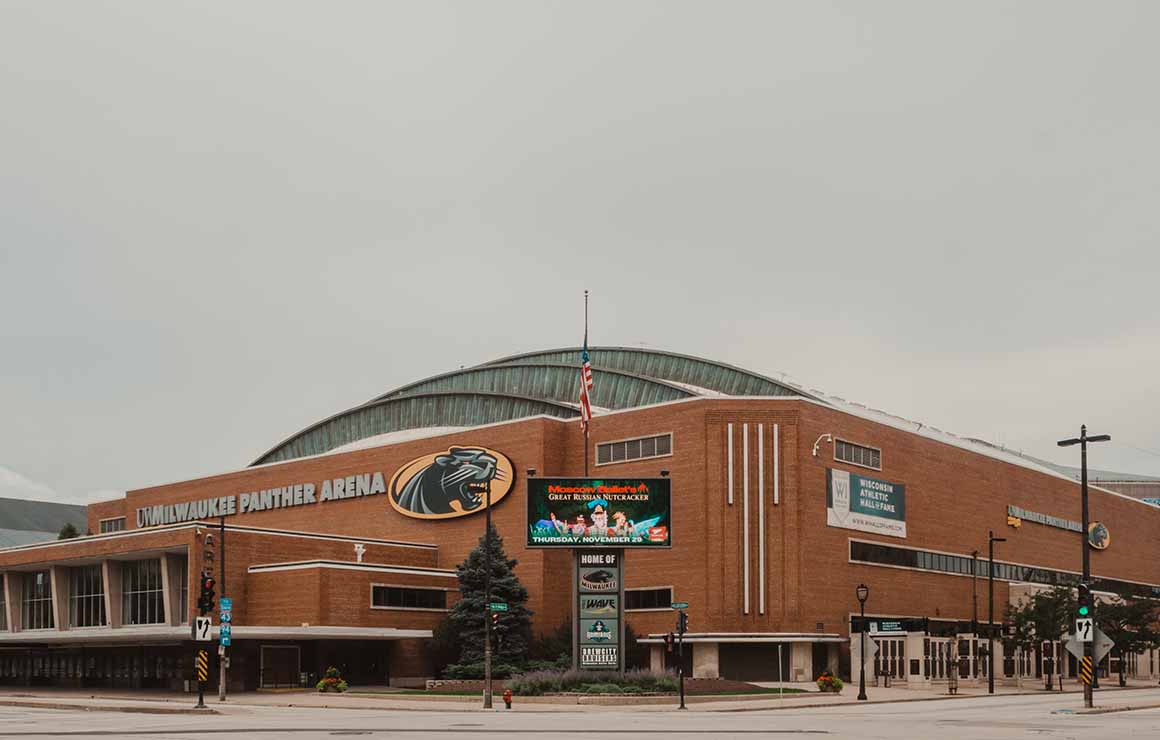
pixel 848 452
pixel 87 597
pixel 640 448
pixel 112 525
pixel 3 605
pixel 397 597
pixel 142 598
pixel 648 598
pixel 37 610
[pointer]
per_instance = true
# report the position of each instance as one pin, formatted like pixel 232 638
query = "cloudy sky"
pixel 222 221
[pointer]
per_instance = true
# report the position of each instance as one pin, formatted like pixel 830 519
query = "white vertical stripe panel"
pixel 745 513
pixel 761 519
pixel 729 474
pixel 776 456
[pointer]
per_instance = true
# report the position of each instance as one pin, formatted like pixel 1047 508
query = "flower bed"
pixel 331 681
pixel 830 683
pixel 538 683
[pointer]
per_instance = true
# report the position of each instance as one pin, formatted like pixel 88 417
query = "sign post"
pixel 599 617
pixel 682 627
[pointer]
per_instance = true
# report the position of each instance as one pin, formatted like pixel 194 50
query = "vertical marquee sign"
pixel 599 613
pixel 598 519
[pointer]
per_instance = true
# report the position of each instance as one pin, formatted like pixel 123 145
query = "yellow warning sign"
pixel 202 666
pixel 1085 669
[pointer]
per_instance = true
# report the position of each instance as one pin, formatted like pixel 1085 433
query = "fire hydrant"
pixel 507 698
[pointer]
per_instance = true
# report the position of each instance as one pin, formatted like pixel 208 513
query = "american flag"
pixel 585 386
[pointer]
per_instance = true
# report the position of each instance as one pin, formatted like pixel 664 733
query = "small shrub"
pixel 474 671
pixel 540 682
pixel 602 688
pixel 332 681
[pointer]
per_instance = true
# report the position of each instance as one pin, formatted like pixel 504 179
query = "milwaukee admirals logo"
pixel 450 484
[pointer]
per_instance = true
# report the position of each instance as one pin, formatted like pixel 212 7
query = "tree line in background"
pixel 457 646
pixel 1129 621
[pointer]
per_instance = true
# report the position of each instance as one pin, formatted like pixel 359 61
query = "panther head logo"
pixel 450 484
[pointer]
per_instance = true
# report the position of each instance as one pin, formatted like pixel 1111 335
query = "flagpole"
pixel 586 425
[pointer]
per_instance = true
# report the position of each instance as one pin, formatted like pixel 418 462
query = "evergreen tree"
pixel 511 635
pixel 68 531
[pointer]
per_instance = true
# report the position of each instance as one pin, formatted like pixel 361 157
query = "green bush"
pixel 538 683
pixel 474 671
pixel 602 688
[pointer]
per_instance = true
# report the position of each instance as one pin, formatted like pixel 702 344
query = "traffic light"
pixel 669 642
pixel 682 623
pixel 205 601
pixel 494 620
pixel 1083 607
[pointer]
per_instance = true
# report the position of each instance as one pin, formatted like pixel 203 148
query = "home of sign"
pixel 437 486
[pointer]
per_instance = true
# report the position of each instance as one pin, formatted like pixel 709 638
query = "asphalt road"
pixel 950 719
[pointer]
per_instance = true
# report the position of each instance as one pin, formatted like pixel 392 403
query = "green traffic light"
pixel 1083 611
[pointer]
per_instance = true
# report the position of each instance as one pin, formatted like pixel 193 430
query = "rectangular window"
pixel 866 457
pixel 86 597
pixel 37 608
pixel 142 600
pixel 398 597
pixel 112 525
pixel 648 598
pixel 641 448
pixel 3 605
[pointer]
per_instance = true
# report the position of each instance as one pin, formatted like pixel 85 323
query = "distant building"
pixel 25 522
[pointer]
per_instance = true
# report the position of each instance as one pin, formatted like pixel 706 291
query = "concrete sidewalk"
pixel 168 702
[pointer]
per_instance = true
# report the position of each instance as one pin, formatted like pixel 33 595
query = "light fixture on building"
pixel 664 473
pixel 531 472
pixel 818 443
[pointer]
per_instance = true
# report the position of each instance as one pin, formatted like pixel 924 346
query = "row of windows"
pixel 142 597
pixel 653 598
pixel 634 449
pixel 867 552
pixel 408 598
pixel 112 525
pixel 849 452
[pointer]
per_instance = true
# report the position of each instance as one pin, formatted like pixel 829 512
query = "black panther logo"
pixel 450 484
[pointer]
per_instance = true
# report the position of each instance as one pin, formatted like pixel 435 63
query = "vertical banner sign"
pixel 599 610
pixel 865 504
pixel 225 632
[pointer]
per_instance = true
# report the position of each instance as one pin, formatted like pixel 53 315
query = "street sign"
pixel 680 605
pixel 226 604
pixel 201 629
pixel 1101 644
pixel 226 630
pixel 1083 629
pixel 498 606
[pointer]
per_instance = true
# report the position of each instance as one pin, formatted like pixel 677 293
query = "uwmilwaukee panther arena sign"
pixel 437 486
pixel 866 504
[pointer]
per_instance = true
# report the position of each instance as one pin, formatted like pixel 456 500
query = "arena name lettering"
pixel 300 494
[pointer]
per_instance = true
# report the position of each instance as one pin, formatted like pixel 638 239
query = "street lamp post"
pixel 487 601
pixel 1082 441
pixel 862 592
pixel 991 540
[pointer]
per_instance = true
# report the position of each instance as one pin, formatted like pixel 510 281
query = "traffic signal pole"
pixel 1085 581
pixel 487 603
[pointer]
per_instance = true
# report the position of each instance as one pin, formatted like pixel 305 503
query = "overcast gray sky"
pixel 222 221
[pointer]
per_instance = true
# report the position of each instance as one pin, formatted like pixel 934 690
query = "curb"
pixel 1108 710
pixel 108 708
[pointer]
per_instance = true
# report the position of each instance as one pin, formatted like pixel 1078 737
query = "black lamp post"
pixel 991 540
pixel 862 592
pixel 1086 579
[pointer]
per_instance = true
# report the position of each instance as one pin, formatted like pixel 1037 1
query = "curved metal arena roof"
pixel 543 382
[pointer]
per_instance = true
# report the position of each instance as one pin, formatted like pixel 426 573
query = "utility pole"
pixel 487 601
pixel 991 540
pixel 222 582
pixel 1086 579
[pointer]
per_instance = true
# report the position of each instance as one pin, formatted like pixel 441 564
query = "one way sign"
pixel 1084 629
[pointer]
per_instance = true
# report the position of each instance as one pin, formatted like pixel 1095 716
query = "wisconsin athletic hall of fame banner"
pixel 599 610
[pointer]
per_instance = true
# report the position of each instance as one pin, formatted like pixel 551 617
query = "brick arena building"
pixel 784 500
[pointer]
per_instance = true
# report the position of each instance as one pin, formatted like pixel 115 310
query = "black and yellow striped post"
pixel 201 674
pixel 1085 670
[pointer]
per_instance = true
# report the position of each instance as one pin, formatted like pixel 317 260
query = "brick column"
pixel 168 598
pixel 12 596
pixel 111 576
pixel 60 594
